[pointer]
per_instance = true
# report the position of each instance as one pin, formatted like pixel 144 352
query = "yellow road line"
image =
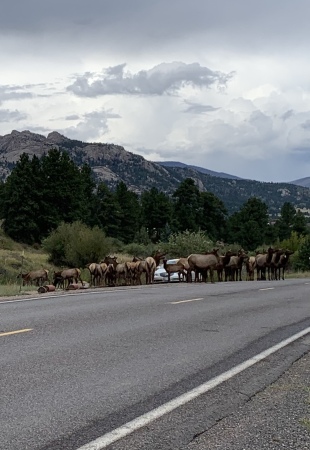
pixel 16 332
pixel 186 301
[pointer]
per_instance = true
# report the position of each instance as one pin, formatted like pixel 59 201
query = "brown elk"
pixel 222 265
pixel 250 265
pixel 203 263
pixel 119 271
pixel 175 268
pixel 235 265
pixel 263 261
pixel 148 265
pixel 282 265
pixel 95 273
pixel 35 276
pixel 69 275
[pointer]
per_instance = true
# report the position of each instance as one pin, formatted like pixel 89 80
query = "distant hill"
pixel 111 163
pixel 199 169
pixel 305 182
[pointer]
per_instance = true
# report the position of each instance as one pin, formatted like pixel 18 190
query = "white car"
pixel 162 275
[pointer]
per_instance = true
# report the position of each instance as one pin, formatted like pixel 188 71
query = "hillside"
pixel 305 182
pixel 198 169
pixel 112 163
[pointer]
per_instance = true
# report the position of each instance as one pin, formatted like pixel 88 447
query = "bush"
pixel 183 244
pixel 301 260
pixel 76 245
pixel 140 250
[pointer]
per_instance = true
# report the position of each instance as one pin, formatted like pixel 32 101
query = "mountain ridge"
pixel 111 163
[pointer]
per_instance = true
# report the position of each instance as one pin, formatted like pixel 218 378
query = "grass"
pixel 16 258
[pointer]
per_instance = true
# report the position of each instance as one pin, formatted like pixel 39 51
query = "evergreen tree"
pixel 187 211
pixel 284 225
pixel 40 194
pixel 156 209
pixel 300 224
pixel 88 198
pixel 63 193
pixel 108 211
pixel 129 212
pixel 214 214
pixel 22 200
pixel 248 226
pixel 2 187
pixel 302 262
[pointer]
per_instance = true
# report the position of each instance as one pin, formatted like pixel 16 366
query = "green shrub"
pixel 301 259
pixel 140 250
pixel 183 244
pixel 76 245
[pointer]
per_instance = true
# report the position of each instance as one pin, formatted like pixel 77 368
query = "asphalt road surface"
pixel 75 367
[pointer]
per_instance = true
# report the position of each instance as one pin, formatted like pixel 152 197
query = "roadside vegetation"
pixel 74 221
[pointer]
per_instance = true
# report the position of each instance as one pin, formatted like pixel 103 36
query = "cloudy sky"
pixel 220 84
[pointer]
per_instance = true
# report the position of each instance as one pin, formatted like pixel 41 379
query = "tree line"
pixel 41 193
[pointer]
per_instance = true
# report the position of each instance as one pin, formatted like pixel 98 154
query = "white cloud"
pixel 52 55
pixel 165 78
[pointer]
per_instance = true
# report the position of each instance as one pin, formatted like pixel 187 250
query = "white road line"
pixel 119 433
pixel 266 289
pixel 187 301
pixel 73 294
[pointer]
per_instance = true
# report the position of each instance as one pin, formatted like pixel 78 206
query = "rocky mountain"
pixel 112 163
pixel 199 169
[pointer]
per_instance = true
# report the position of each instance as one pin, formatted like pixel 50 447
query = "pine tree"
pixel 214 215
pixel 156 209
pixel 187 211
pixel 108 211
pixel 63 194
pixel 22 200
pixel 129 212
pixel 248 226
pixel 300 224
pixel 284 225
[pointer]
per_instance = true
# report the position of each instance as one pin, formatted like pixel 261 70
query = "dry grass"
pixel 16 258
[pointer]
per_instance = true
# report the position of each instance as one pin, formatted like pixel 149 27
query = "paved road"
pixel 94 361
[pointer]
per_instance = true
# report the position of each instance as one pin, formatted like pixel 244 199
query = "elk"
pixel 250 265
pixel 173 268
pixel 68 275
pixel 235 265
pixel 203 263
pixel 148 265
pixel 263 261
pixel 95 273
pixel 35 276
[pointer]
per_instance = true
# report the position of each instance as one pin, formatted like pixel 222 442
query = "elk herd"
pixel 231 266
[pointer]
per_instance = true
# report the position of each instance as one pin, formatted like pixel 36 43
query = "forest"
pixel 41 195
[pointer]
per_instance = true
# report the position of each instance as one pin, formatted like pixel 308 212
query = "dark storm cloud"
pixel 166 78
pixel 247 24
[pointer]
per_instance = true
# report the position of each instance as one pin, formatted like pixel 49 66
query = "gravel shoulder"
pixel 276 418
